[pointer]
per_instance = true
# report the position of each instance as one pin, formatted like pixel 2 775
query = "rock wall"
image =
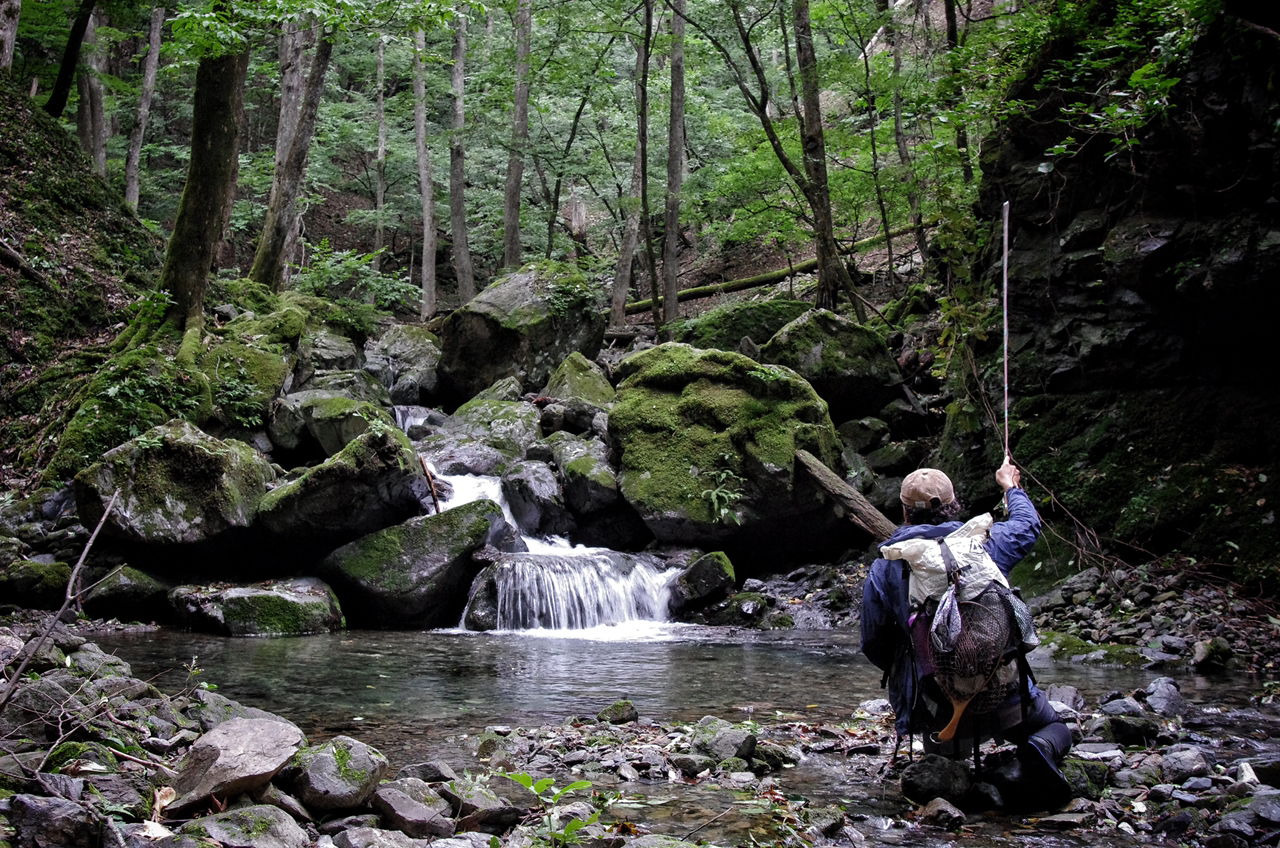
pixel 1144 393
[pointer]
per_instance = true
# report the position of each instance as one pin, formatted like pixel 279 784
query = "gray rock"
pixel 429 772
pixel 934 776
pixel 369 485
pixel 260 826
pixel 941 813
pixel 619 712
pixel 404 359
pixel 40 822
pixel 211 709
pixel 339 775
pixel 1184 762
pixel 237 756
pixel 372 837
pixel 582 466
pixel 1164 698
pixel 1123 707
pixel 508 426
pixel 522 325
pixel 419 813
pixel 579 378
pixel 707 579
pixel 297 607
pixel 537 504
pixel 419 573
pixel 176 486
pixel 323 350
pixel 327 419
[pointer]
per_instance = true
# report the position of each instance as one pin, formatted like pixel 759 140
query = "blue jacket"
pixel 886 605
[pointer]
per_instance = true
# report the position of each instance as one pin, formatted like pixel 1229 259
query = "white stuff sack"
pixel 929 571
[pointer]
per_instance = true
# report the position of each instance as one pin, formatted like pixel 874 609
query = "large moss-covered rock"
pixel 724 327
pixel 296 607
pixel 506 425
pixel 417 574
pixel 129 595
pixel 37 585
pixel 323 419
pixel 586 477
pixel 176 485
pixel 847 364
pixel 404 359
pixel 706 442
pixel 580 378
pixel 370 484
pixel 244 379
pixel 522 325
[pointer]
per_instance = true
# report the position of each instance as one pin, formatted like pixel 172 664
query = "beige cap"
pixel 922 486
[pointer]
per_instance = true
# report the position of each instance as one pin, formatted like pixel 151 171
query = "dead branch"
pixel 850 500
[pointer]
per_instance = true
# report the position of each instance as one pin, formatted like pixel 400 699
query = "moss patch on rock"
pixel 724 327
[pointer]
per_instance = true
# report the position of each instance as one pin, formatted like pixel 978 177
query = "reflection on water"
pixel 444 682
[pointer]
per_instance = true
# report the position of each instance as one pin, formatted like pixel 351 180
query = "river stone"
pixel 39 822
pixel 237 756
pixel 339 775
pixel 404 359
pixel 523 326
pixel 452 454
pixel 419 573
pixel 177 485
pixel 367 486
pixel 128 594
pixel 324 350
pixel 508 426
pixel 410 806
pixel 941 813
pixel 508 390
pixel 372 837
pixel 1183 762
pixel 935 776
pixel 428 772
pixel 211 709
pixel 35 585
pixel 581 379
pixel 537 504
pixel 707 579
pixel 706 443
pixel 848 364
pixel 259 826
pixel 357 385
pixel 619 712
pixel 582 465
pixel 1127 706
pixel 1164 698
pixel 324 418
pixel 297 607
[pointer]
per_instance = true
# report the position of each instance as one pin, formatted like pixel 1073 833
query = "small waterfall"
pixel 568 591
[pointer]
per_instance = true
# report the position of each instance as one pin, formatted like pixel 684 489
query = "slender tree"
pixel 457 160
pixel 631 219
pixel 150 69
pixel 642 142
pixel 675 170
pixel 295 41
pixel 288 181
pixel 380 159
pixel 10 12
pixel 57 102
pixel 511 250
pixel 91 119
pixel 425 185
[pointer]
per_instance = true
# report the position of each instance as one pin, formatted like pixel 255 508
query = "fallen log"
pixel 858 509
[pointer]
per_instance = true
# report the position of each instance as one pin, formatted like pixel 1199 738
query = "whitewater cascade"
pixel 555 586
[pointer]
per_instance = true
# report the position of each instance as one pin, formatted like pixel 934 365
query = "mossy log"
pixel 856 507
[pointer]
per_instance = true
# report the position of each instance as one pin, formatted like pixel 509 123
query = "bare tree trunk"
pixel 150 68
pixel 457 159
pixel 215 149
pixel 294 42
pixel 10 12
pixel 675 171
pixel 425 186
pixel 57 102
pixel 380 163
pixel 631 224
pixel 832 273
pixel 642 140
pixel 511 251
pixel 904 152
pixel 288 181
pixel 90 111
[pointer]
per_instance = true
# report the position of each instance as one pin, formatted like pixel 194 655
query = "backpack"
pixel 970 630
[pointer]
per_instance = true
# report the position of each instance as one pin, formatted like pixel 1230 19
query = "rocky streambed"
pixel 95 756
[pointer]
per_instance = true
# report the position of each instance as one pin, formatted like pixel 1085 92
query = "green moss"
pixel 69 752
pixel 35 584
pixel 348 772
pixel 1066 646
pixel 245 295
pixel 272 615
pixel 725 326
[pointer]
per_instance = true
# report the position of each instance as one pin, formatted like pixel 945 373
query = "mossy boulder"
pixel 522 325
pixel 536 499
pixel 296 607
pixel 176 485
pixel 244 379
pixel 706 444
pixel 129 595
pixel 417 574
pixel 586 478
pixel 724 327
pixel 847 364
pixel 341 774
pixel 709 578
pixel 260 824
pixel 35 585
pixel 580 378
pixel 322 420
pixel 404 360
pixel 370 484
pixel 358 385
pixel 506 425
